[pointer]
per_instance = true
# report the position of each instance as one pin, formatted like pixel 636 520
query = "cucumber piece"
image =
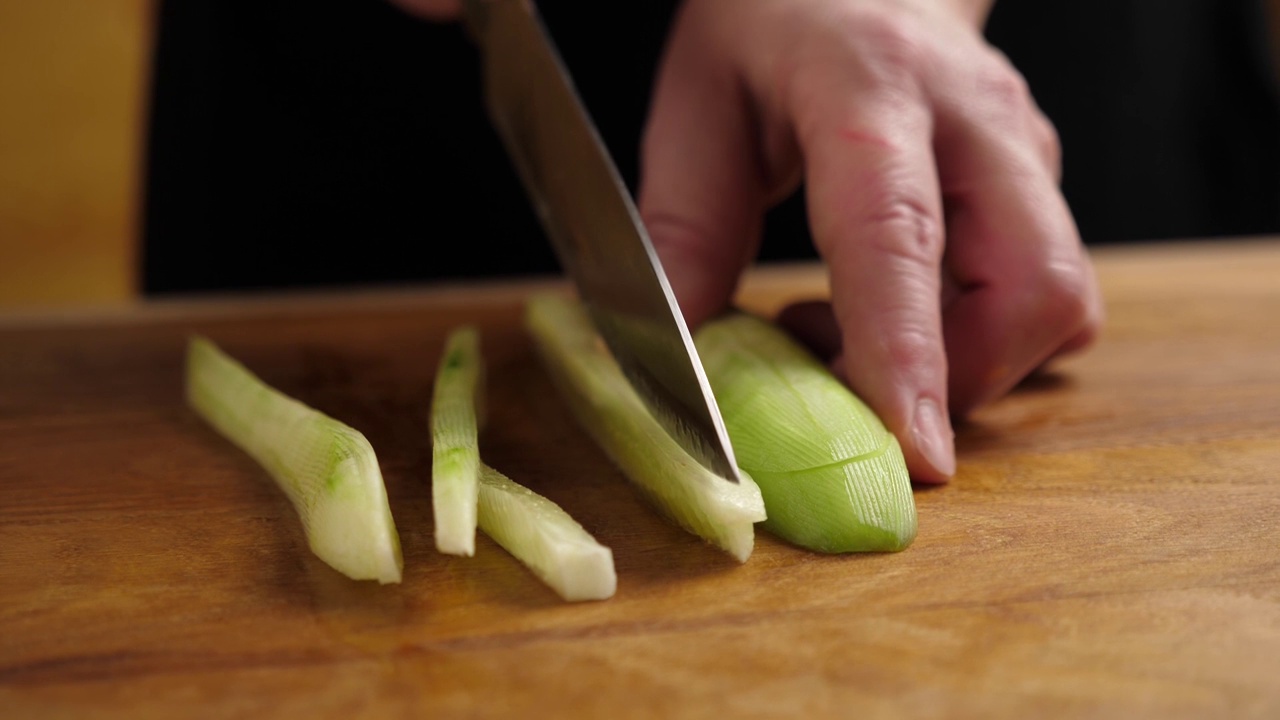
pixel 327 469
pixel 608 409
pixel 540 534
pixel 455 454
pixel 832 476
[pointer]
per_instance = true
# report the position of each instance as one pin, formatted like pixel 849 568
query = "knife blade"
pixel 593 224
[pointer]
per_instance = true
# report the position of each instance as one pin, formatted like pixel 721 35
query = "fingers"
pixel 813 324
pixel 1026 288
pixel 890 120
pixel 875 210
pixel 701 192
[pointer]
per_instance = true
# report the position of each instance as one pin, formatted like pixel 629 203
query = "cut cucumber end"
pixel 609 411
pixel 327 469
pixel 455 454
pixel 832 477
pixel 545 538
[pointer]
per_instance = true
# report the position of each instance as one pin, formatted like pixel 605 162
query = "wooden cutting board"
pixel 1109 547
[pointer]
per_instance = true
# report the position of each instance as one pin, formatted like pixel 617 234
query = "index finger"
pixel 876 213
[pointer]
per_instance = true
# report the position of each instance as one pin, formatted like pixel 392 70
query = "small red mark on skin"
pixel 861 137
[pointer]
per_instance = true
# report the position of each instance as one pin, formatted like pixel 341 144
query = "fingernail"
pixel 933 437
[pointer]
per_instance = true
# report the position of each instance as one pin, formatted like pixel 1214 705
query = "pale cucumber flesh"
pixel 327 469
pixel 609 411
pixel 545 538
pixel 455 454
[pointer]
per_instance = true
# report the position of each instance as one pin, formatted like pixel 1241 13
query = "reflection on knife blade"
pixel 594 226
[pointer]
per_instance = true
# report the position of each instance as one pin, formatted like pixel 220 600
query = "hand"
pixel 932 183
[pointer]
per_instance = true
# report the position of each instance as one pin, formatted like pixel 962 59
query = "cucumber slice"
pixel 609 410
pixel 545 538
pixel 327 469
pixel 833 477
pixel 455 454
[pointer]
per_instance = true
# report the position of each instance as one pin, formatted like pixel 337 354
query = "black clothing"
pixel 337 142
pixel 1168 110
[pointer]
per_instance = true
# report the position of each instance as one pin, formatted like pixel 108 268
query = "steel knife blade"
pixel 587 211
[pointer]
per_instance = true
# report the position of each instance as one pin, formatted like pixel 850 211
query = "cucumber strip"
pixel 327 469
pixel 455 455
pixel 833 477
pixel 540 534
pixel 609 410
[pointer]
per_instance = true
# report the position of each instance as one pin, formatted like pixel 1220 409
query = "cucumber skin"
pixel 833 509
pixel 821 491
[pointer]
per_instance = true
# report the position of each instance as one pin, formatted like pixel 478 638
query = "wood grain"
pixel 1108 548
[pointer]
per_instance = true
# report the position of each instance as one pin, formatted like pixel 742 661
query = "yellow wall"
pixel 73 78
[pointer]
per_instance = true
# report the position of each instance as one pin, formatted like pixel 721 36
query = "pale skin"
pixel 932 186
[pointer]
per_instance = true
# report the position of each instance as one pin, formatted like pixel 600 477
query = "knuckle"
pixel 1002 88
pixel 1048 142
pixel 1046 132
pixel 1064 295
pixel 886 45
pixel 1000 81
pixel 1087 335
pixel 904 228
pixel 911 350
pixel 681 239
pixel 870 52
pixel 896 42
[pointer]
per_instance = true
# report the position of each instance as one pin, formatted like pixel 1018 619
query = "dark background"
pixel 341 142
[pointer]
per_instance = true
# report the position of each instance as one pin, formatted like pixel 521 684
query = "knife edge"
pixel 594 226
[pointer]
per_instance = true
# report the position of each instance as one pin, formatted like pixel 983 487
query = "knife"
pixel 593 224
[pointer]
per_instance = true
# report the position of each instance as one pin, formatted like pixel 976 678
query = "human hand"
pixel 932 187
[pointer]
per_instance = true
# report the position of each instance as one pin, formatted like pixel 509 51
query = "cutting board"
pixel 1109 547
